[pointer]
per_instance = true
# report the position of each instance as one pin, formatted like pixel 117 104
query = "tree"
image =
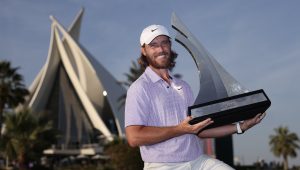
pixel 122 156
pixel 26 136
pixel 284 144
pixel 12 89
pixel 135 71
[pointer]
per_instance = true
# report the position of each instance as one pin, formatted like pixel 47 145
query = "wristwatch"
pixel 238 128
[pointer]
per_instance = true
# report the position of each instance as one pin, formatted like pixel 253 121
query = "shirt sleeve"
pixel 136 106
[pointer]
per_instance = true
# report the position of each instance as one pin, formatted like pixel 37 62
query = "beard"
pixel 165 64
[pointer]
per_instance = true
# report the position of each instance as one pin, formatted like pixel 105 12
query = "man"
pixel 156 112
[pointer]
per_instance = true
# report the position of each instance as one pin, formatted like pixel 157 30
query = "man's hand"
pixel 184 127
pixel 247 124
pixel 138 135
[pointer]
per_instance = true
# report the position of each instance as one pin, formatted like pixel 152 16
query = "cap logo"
pixel 150 32
pixel 153 30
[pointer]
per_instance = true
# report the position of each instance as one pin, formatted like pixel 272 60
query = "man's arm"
pixel 231 129
pixel 138 135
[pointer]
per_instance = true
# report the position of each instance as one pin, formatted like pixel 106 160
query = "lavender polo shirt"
pixel 152 102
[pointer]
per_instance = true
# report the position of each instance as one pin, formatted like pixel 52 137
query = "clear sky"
pixel 257 42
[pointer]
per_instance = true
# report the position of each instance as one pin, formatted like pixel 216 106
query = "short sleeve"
pixel 136 106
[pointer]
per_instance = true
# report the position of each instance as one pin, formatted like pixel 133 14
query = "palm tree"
pixel 12 89
pixel 135 71
pixel 26 136
pixel 284 144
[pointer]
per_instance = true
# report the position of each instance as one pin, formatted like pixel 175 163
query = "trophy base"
pixel 230 109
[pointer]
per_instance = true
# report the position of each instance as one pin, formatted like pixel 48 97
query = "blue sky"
pixel 256 41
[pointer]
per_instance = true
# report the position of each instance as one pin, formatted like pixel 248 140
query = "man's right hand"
pixel 184 127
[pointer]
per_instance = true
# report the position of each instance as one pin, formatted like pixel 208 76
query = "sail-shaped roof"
pixel 76 91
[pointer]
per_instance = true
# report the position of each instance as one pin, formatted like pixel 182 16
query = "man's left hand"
pixel 247 124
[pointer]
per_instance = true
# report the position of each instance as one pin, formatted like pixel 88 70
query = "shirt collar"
pixel 153 76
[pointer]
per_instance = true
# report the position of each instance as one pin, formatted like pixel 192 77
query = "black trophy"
pixel 230 109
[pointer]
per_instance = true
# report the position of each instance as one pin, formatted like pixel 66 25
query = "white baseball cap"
pixel 152 31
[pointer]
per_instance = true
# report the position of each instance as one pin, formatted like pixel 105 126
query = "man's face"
pixel 158 52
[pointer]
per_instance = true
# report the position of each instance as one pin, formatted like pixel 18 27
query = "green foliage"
pixel 27 135
pixel 135 71
pixel 284 144
pixel 12 89
pixel 123 157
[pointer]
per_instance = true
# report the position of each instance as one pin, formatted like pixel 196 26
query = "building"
pixel 78 93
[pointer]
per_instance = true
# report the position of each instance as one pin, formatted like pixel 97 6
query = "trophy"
pixel 221 97
pixel 230 109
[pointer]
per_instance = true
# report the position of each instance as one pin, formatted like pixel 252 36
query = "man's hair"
pixel 142 60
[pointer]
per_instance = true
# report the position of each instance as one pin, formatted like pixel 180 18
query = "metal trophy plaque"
pixel 231 109
pixel 220 97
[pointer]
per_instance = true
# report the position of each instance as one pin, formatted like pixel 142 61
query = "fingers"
pixel 193 129
pixel 255 120
pixel 259 117
pixel 203 123
pixel 187 119
pixel 256 117
pixel 263 115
